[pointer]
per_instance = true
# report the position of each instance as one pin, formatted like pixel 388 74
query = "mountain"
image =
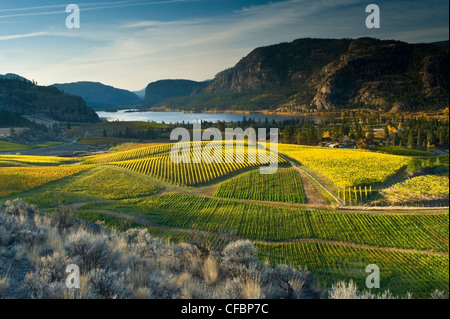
pixel 164 89
pixel 140 94
pixel 330 74
pixel 26 98
pixel 440 42
pixel 98 95
pixel 14 77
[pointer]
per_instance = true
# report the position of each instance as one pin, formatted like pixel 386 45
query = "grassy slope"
pixel 98 183
pixel 18 179
pixel 9 147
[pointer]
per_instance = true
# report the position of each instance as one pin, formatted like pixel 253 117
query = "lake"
pixel 178 117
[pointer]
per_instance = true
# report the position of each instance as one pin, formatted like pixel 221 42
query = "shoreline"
pixel 333 114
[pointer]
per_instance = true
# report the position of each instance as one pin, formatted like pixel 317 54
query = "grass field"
pixel 347 167
pixel 97 129
pixel 283 186
pixel 9 147
pixel 100 140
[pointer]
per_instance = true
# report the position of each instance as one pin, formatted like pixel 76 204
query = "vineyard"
pixel 400 271
pixel 333 245
pixel 156 161
pixel 347 167
pixel 142 187
pixel 355 194
pixel 40 160
pixel 131 154
pixel 419 189
pixel 112 183
pixel 267 223
pixel 19 179
pixel 283 186
pixel 97 183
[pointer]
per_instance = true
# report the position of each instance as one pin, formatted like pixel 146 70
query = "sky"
pixel 130 43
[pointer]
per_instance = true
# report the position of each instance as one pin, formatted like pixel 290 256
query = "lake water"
pixel 178 117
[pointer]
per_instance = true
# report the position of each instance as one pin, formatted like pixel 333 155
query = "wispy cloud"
pixel 132 52
pixel 20 36
pixel 84 6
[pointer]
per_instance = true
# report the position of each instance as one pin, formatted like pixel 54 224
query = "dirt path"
pixel 313 196
pixel 148 223
pixel 311 178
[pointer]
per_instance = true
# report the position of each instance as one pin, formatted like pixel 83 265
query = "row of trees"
pixel 149 133
pixel 385 129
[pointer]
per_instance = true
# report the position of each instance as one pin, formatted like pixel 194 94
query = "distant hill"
pixel 98 95
pixel 164 89
pixel 140 94
pixel 440 42
pixel 13 76
pixel 330 74
pixel 26 98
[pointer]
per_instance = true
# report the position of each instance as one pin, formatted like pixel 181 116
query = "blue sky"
pixel 130 43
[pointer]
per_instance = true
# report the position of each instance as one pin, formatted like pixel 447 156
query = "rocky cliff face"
pixel 27 98
pixel 283 64
pixel 385 75
pixel 326 74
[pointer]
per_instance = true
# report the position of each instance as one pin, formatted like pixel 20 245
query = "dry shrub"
pixel 90 251
pixel 4 282
pixel 210 270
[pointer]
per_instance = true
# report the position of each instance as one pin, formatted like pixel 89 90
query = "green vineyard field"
pixel 266 223
pixel 347 167
pixel 283 186
pixel 188 172
pixel 97 183
pixel 400 272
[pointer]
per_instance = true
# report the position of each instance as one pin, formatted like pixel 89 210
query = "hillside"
pixel 164 89
pixel 14 77
pixel 26 98
pixel 329 74
pixel 98 95
pixel 289 218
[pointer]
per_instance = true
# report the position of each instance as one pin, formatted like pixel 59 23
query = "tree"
pixel 12 131
pixel 414 166
pixel 104 133
pixel 386 132
pixel 410 139
pixel 326 135
pixel 419 137
pixel 430 137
